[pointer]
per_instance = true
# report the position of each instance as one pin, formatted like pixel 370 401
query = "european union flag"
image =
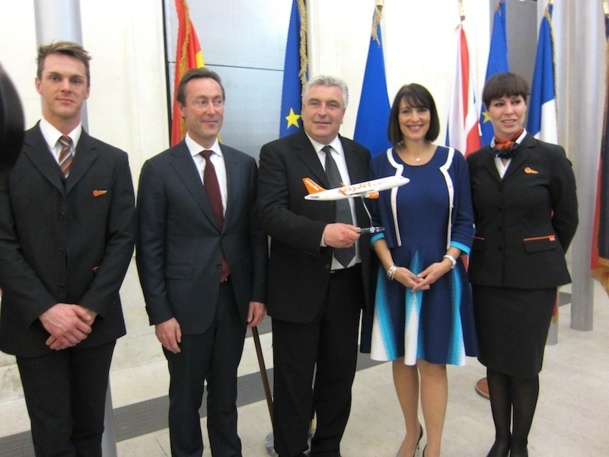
pixel 542 105
pixel 373 111
pixel 292 86
pixel 497 63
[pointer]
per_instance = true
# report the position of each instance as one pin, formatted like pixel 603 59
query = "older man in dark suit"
pixel 319 271
pixel 67 226
pixel 201 256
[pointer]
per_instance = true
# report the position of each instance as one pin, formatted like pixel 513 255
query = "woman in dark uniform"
pixel 525 211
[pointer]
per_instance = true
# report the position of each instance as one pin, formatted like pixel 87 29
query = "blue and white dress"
pixel 422 219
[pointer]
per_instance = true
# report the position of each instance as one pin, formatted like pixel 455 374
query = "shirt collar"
pixel 518 140
pixel 335 143
pixel 51 134
pixel 195 148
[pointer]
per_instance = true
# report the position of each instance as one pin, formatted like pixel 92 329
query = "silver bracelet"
pixel 453 261
pixel 391 272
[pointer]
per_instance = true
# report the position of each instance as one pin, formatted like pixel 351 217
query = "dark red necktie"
pixel 212 188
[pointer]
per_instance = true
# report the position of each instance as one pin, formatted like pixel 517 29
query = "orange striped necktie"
pixel 65 155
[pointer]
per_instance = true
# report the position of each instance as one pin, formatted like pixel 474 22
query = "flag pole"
pixel 461 10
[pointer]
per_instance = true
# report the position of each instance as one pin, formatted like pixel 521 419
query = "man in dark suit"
pixel 201 256
pixel 315 294
pixel 67 226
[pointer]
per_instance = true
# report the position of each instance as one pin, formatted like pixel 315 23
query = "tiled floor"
pixel 572 417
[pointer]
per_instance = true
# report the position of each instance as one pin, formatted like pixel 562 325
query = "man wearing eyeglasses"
pixel 201 257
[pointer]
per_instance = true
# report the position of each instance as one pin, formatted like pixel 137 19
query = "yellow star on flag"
pixel 487 118
pixel 292 118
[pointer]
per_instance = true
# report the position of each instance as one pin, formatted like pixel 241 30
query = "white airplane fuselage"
pixel 367 189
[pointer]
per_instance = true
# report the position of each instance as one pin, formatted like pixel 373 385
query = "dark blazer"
pixel 525 221
pixel 179 246
pixel 64 242
pixel 299 269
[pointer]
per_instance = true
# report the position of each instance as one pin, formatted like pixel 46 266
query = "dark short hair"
pixel 502 85
pixel 419 97
pixel 67 48
pixel 196 73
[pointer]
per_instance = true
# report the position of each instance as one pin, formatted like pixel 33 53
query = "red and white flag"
pixel 463 119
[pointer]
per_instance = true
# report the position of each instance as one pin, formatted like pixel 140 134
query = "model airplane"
pixel 368 189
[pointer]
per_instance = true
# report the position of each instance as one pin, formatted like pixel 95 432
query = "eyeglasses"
pixel 202 103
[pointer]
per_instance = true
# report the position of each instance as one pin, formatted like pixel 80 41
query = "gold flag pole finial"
pixel 461 10
pixel 378 15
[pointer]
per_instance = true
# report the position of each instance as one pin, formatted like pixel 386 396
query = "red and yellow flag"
pixel 188 56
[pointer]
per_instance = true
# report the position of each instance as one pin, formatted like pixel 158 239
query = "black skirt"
pixel 512 326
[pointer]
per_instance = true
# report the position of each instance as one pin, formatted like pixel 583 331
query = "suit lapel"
pixel 522 155
pixel 187 172
pixel 86 153
pixel 234 180
pixel 356 174
pixel 488 160
pixel 37 151
pixel 306 153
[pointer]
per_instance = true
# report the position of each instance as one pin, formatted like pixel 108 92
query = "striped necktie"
pixel 65 155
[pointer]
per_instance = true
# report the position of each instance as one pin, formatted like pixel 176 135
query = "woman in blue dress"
pixel 423 316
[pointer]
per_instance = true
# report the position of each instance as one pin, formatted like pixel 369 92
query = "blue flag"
pixel 289 121
pixel 373 111
pixel 497 63
pixel 542 105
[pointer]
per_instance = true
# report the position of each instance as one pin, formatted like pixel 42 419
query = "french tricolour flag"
pixel 542 105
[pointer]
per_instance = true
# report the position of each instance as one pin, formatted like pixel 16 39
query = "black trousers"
pixel 65 394
pixel 211 357
pixel 327 349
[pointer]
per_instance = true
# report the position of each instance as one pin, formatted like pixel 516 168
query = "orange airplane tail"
pixel 312 186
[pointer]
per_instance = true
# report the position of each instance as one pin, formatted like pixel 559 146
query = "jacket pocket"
pixel 477 243
pixel 178 272
pixel 540 243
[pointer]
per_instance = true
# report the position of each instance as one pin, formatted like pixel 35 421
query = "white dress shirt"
pixel 217 158
pixel 51 136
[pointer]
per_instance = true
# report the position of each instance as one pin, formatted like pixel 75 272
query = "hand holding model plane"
pixel 343 234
